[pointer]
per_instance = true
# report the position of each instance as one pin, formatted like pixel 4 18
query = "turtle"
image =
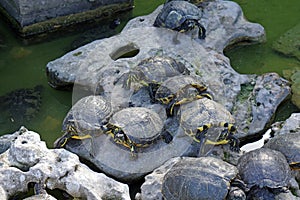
pixel 265 168
pixel 289 145
pixel 201 120
pixel 180 16
pixel 154 69
pixel 85 120
pixel 136 127
pixel 179 90
pixel 21 105
pixel 198 178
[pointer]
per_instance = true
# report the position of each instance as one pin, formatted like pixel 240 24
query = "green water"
pixel 24 65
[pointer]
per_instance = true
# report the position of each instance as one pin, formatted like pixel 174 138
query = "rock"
pixel 288 44
pixel 20 105
pixel 257 102
pixel 30 17
pixel 293 75
pixel 29 161
pixel 224 23
pixel 7 140
pixel 97 67
pixel 291 125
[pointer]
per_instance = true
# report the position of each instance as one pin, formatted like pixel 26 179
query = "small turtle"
pixel 136 127
pixel 85 119
pixel 201 119
pixel 289 145
pixel 154 69
pixel 181 16
pixel 179 90
pixel 265 168
pixel 198 178
pixel 21 105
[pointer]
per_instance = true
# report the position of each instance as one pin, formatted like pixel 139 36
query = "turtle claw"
pixel 167 137
pixel 234 144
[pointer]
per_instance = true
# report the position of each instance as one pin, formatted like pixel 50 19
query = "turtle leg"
pixel 152 88
pixel 229 129
pixel 170 101
pixel 201 133
pixel 295 165
pixel 166 136
pixel 201 32
pixel 234 142
pixel 61 142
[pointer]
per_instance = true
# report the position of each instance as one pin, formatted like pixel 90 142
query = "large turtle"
pixel 198 178
pixel 265 168
pixel 21 105
pixel 178 90
pixel 136 127
pixel 181 16
pixel 289 145
pixel 201 119
pixel 154 69
pixel 85 119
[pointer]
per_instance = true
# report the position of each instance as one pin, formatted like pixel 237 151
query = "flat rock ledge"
pixel 28 160
pixel 94 68
pixel 252 99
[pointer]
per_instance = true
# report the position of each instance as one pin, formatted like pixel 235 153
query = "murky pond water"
pixel 23 66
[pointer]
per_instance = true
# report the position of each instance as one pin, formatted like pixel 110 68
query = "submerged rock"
pixel 288 44
pixel 28 160
pixel 294 76
pixel 19 106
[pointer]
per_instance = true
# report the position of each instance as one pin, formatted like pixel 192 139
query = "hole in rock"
pixel 127 51
pixel 24 142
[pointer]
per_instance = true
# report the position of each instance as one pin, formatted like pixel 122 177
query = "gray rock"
pixel 28 12
pixel 96 66
pixel 224 23
pixel 257 102
pixel 291 125
pixel 29 160
pixel 7 140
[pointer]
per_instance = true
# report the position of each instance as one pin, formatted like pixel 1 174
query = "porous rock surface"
pixel 28 160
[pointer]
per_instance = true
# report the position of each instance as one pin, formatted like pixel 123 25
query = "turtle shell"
pixel 89 113
pixel 159 68
pixel 264 168
pixel 174 84
pixel 198 178
pixel 288 145
pixel 174 13
pixel 21 105
pixel 203 111
pixel 142 125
